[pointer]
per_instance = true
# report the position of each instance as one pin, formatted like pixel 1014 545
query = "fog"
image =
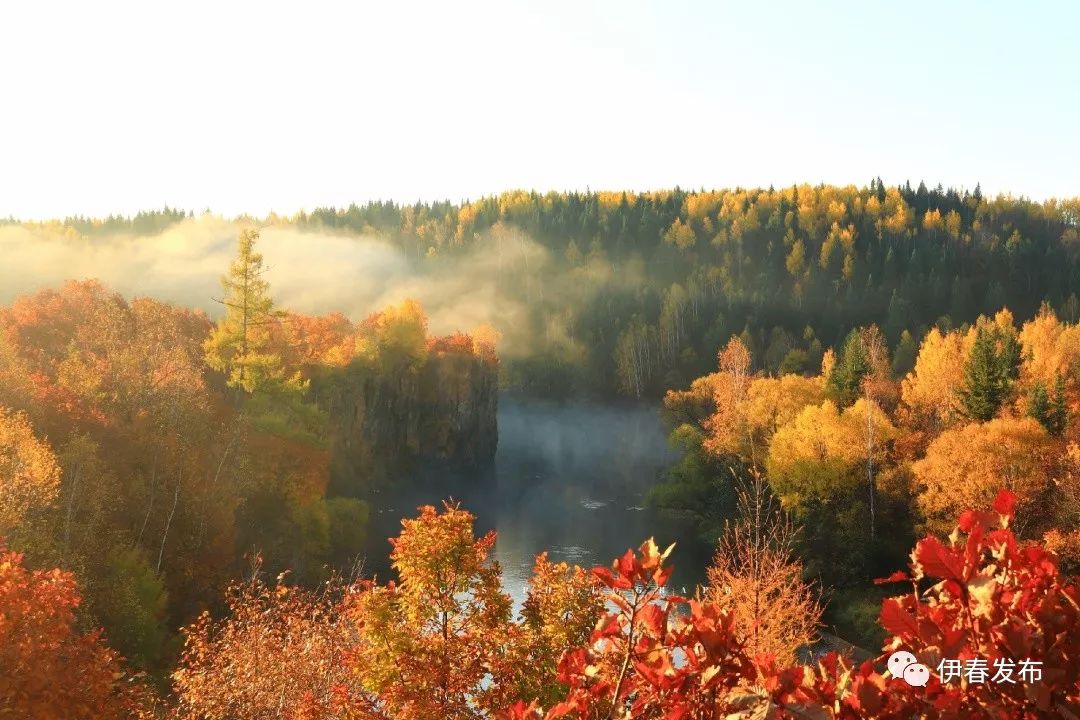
pixel 309 271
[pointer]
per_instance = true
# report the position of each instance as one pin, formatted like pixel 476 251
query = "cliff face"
pixel 395 428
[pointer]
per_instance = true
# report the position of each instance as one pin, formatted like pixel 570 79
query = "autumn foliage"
pixel 444 643
pixel 147 452
pixel 48 668
pixel 29 473
pixel 983 595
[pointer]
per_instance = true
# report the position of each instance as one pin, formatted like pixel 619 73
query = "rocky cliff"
pixel 408 425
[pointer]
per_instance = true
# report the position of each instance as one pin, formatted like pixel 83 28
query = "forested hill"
pixel 634 293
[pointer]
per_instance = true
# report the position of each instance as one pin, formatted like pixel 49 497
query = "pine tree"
pixel 906 352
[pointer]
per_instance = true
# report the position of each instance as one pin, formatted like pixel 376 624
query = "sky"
pixel 237 107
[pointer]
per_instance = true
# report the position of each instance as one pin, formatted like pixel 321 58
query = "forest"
pixel 873 393
pixel 633 293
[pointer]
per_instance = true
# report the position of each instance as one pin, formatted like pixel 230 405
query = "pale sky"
pixel 249 107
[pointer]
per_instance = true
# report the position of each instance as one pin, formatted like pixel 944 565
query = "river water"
pixel 569 478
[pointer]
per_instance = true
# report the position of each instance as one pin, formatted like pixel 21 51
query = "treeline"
pixel 638 291
pixel 794 268
pixel 145 222
pixel 156 455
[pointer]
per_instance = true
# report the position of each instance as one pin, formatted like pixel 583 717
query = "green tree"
pixel 1051 412
pixel 906 352
pixel 1059 409
pixel 1039 404
pixel 845 380
pixel 241 344
pixel 991 369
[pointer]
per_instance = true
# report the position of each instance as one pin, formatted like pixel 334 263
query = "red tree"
pixel 47 668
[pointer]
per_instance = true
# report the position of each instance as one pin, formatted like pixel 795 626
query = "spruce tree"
pixel 845 380
pixel 1058 415
pixel 991 369
pixel 1039 405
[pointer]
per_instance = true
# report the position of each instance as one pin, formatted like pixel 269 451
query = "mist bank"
pixel 605 294
pixel 309 272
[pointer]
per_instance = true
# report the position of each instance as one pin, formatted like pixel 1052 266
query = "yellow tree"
pixel 1051 348
pixel 430 640
pixel 965 467
pixel 727 426
pixel 768 404
pixel 561 609
pixel 16 388
pixel 929 391
pixel 29 473
pixel 396 338
pixel 822 434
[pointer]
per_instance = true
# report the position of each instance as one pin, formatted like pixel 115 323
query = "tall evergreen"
pixel 989 374
pixel 1059 409
pixel 1039 405
pixel 845 380
pixel 240 345
pixel 1051 412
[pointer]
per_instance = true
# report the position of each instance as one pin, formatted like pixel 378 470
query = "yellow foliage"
pixel 932 220
pixel 400 336
pixel 822 432
pixel 681 235
pixel 773 402
pixel 929 390
pixel 828 362
pixel 796 260
pixel 701 205
pixel 836 211
pixel 1050 347
pixel 952 224
pixel 29 473
pixel 768 404
pixel 873 207
pixel 898 215
pixel 965 467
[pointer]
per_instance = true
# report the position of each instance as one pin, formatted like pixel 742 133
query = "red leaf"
pixel 1005 504
pixel 897 620
pixel 898 576
pixel 938 561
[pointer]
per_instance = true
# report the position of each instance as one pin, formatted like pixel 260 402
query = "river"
pixel 571 479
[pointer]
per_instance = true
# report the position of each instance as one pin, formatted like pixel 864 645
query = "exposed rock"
pixel 394 428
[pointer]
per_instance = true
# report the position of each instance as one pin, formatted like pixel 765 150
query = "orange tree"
pixel 48 669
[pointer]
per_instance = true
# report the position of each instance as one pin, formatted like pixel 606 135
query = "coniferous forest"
pixel 871 396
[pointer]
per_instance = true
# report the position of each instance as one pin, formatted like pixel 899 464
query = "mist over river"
pixel 569 478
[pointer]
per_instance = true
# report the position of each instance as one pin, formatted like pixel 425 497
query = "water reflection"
pixel 569 479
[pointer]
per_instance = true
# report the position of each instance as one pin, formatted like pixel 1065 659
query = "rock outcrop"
pixel 409 426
